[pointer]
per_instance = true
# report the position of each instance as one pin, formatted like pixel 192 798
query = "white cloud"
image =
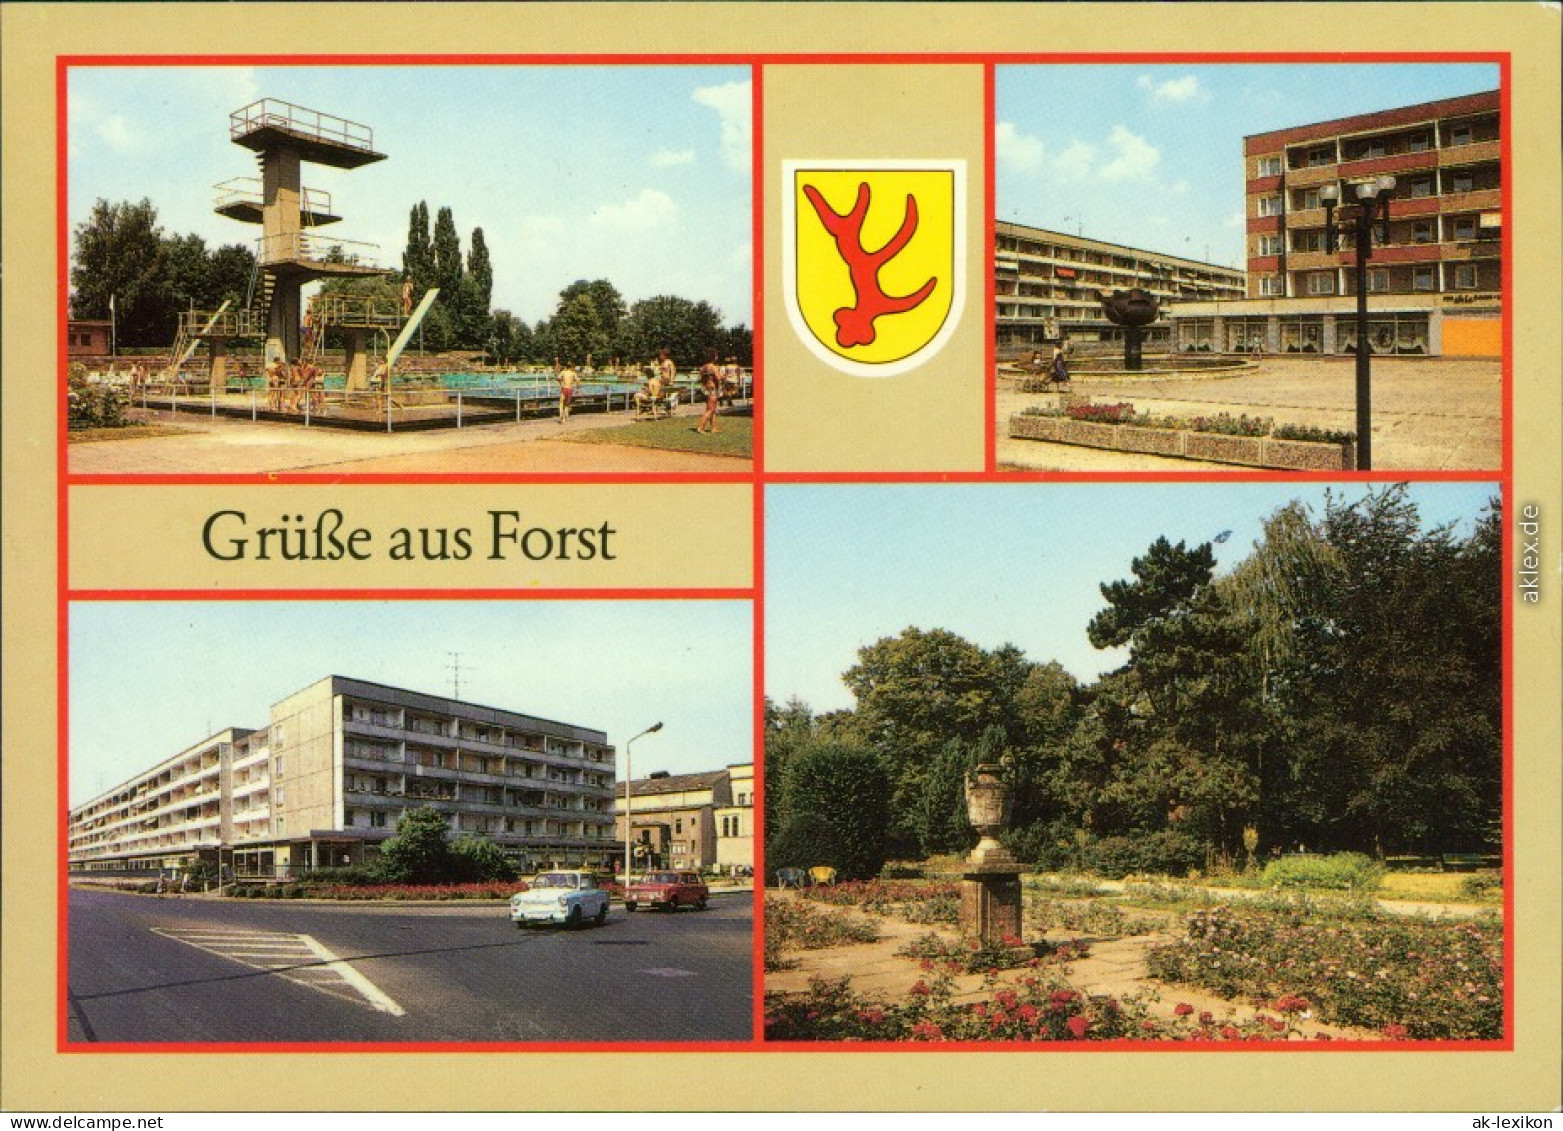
pixel 651 209
pixel 1017 150
pixel 1185 89
pixel 667 158
pixel 731 102
pixel 1076 161
pixel 1133 158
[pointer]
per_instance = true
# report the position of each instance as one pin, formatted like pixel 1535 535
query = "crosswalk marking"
pixel 301 959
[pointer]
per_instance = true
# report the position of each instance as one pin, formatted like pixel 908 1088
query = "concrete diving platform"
pixel 323 139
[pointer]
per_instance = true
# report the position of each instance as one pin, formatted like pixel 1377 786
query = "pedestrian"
pixel 569 380
pixel 1061 364
pixel 711 386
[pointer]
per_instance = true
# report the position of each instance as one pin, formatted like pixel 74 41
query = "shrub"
pixel 1482 885
pixel 93 406
pixel 1313 435
pixel 1344 871
pixel 1165 852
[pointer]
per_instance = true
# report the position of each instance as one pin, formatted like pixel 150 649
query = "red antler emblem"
pixel 855 323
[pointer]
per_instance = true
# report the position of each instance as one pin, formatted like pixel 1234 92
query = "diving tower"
pixel 290 253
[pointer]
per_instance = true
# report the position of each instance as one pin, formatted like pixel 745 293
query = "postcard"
pixel 1008 552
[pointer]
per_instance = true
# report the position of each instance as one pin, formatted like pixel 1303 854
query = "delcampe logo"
pixel 874 260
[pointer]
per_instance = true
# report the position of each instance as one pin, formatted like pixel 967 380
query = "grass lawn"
pixel 734 436
pixel 127 432
pixel 1435 887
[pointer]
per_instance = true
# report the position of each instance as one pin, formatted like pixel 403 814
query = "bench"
pixel 1469 861
pixel 822 875
pixel 791 878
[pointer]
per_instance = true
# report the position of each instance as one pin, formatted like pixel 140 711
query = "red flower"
pixel 1323 1037
pixel 1291 1003
pixel 1028 1013
pixel 1230 1034
pixel 1148 1025
pixel 1062 997
pixel 1078 1025
pixel 1013 940
pixel 921 987
pixel 1206 1017
pixel 927 1031
pixel 1007 999
pixel 1395 1032
pixel 1183 1009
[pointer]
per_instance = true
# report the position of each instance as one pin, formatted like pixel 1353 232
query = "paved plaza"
pixel 1429 414
pixel 204 444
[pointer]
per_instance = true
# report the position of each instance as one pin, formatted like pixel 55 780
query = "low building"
pixel 1047 286
pixel 735 822
pixel 326 782
pixel 88 340
pixel 674 818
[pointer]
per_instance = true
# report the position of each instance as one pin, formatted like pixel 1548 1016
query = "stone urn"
pixel 988 803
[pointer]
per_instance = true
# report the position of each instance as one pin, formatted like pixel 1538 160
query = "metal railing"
pixel 307 246
pixel 300 120
pixel 249 190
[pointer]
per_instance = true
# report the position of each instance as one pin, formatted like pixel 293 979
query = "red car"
pixel 671 890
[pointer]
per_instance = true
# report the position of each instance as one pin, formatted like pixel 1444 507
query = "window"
pixel 1272 286
pixel 1462 182
pixel 1321 283
pixel 1460 135
pixel 1465 277
pixel 1422 279
pixel 279 796
pixel 1324 155
pixel 1464 228
pixel 1308 198
pixel 1422 231
pixel 1418 142
pixel 276 768
pixel 1422 186
pixel 1308 241
pixel 1378 281
pixel 1269 167
pixel 377 818
pixel 1269 206
pixel 1375 149
pixel 1269 245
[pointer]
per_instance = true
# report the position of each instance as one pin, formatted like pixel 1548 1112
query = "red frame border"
pixel 760 479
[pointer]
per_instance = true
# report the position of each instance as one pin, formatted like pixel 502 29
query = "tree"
pixel 845 792
pixel 608 304
pixel 480 270
pixel 418 257
pixel 118 256
pixel 447 268
pixel 418 853
pixel 576 331
pixel 690 331
pixel 476 859
pixel 918 690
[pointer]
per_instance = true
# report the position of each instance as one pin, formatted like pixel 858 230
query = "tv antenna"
pixel 455 674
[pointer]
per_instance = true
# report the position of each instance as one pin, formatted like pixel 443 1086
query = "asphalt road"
pixel 145 969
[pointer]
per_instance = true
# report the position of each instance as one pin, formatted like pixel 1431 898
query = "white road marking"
pixel 303 959
pixel 669 972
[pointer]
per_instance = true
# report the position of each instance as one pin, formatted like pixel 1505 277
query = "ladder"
pixel 185 342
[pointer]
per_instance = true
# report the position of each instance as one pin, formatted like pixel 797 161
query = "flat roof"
pixel 1483 102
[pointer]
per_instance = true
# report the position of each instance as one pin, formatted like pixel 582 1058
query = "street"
pixel 147 969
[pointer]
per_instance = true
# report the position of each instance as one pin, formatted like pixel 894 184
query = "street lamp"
pixel 1372 202
pixel 628 824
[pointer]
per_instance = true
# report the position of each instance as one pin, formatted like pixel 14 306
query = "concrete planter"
pixel 1247 451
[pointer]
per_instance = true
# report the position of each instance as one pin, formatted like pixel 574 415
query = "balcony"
pixel 1477 151
pixel 243 199
pixel 1312 175
pixel 322 138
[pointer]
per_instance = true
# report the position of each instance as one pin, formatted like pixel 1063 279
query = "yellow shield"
pixel 875 256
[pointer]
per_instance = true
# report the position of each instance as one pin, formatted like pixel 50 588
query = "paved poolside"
pixel 1429 414
pixel 219 445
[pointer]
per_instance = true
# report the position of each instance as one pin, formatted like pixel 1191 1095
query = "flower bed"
pixel 1407 978
pixel 1037 1009
pixel 1245 440
pixel 397 892
pixel 794 925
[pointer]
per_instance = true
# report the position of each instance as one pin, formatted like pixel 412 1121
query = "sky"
pixel 1152 156
pixel 997 564
pixel 150 678
pixel 640 175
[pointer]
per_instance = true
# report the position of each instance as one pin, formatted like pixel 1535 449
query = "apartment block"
pixel 1434 287
pixel 327 780
pixel 1047 286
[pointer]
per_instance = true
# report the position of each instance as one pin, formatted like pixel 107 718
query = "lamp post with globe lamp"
pixel 1372 202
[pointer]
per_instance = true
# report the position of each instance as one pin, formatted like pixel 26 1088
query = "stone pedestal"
pixel 991 902
pixel 357 360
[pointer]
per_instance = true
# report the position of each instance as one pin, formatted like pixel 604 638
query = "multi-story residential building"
pixel 1047 286
pixel 735 822
pixel 1434 287
pixel 674 823
pixel 329 778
